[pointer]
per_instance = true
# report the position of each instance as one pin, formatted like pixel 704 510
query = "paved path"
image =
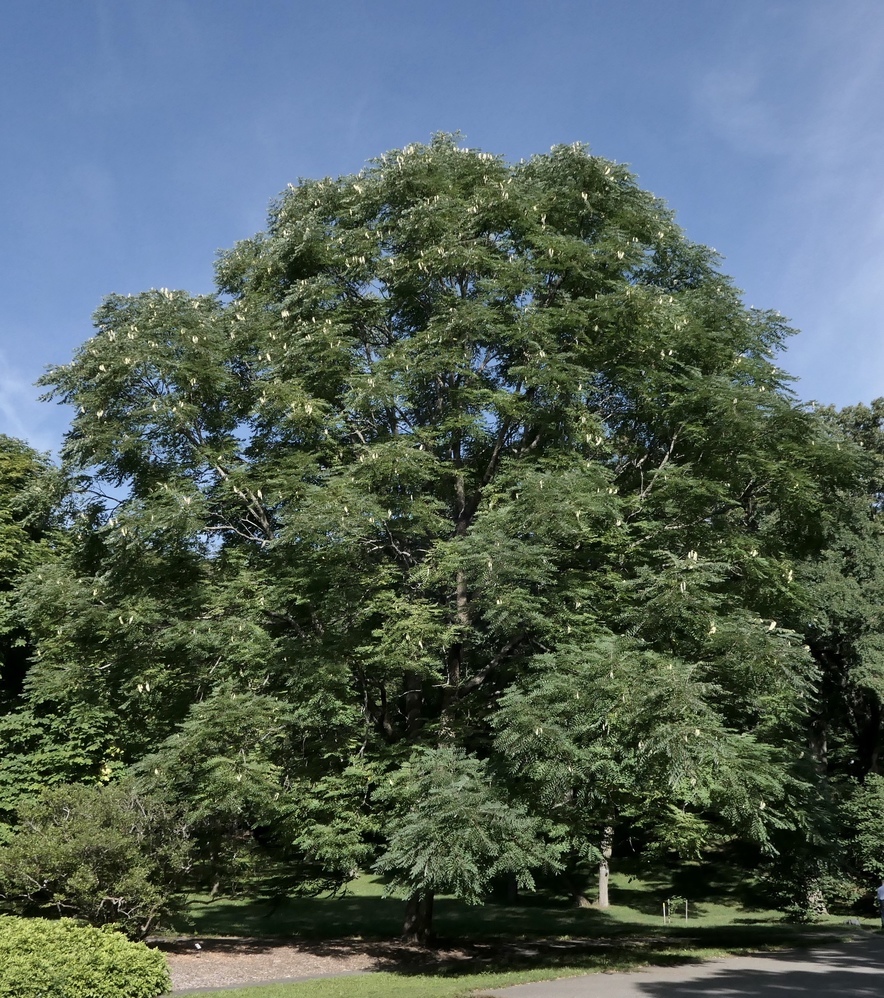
pixel 848 970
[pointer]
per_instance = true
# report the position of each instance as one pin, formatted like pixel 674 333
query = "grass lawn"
pixel 637 906
pixel 722 919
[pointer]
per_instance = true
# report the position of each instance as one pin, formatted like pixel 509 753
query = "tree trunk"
pixel 413 702
pixel 604 866
pixel 816 901
pixel 418 927
pixel 871 736
pixel 455 664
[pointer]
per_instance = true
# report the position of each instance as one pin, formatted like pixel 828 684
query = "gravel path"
pixel 221 963
pixel 850 970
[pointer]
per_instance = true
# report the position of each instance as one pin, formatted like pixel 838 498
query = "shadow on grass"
pixel 650 902
pixel 462 957
pixel 541 934
pixel 458 959
pixel 374 918
pixel 637 911
pixel 713 891
pixel 721 883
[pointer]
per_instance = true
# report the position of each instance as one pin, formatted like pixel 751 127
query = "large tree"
pixel 448 427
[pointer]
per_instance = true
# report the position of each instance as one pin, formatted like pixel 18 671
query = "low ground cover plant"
pixel 40 958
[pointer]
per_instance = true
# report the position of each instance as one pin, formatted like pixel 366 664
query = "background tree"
pixel 843 626
pixel 31 528
pixel 606 734
pixel 26 506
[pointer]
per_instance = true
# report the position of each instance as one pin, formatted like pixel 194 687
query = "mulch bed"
pixel 207 963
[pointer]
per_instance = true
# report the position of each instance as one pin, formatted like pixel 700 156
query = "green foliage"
pixel 451 832
pixel 608 729
pixel 23 513
pixel 64 959
pixel 221 766
pixel 102 854
pixel 42 750
pixel 841 618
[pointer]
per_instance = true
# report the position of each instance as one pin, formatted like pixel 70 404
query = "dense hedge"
pixel 40 958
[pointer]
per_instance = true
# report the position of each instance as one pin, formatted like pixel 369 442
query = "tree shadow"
pixel 852 971
pixel 723 882
pixel 449 957
pixel 455 956
pixel 650 901
pixel 379 918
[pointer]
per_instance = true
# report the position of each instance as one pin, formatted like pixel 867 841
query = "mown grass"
pixel 637 904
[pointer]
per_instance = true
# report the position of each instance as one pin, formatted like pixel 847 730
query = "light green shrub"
pixel 40 958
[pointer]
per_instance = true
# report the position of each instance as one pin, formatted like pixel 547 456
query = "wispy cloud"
pixel 809 112
pixel 809 94
pixel 22 415
pixel 732 100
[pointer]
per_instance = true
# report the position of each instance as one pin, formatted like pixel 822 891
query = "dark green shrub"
pixel 861 817
pixel 848 895
pixel 102 854
pixel 64 959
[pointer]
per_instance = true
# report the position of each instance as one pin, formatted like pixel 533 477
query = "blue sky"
pixel 141 136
